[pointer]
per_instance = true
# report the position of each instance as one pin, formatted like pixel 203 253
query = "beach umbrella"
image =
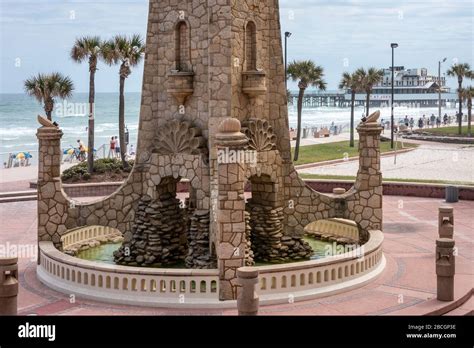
pixel 20 155
pixel 68 151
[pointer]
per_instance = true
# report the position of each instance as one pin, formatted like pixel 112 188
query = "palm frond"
pixel 308 73
pixel 46 86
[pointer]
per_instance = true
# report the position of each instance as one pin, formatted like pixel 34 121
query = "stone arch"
pixel 250 46
pixel 183 46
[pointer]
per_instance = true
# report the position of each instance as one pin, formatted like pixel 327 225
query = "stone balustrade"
pixel 192 288
pixel 121 284
pixel 321 277
pixel 334 227
pixel 85 234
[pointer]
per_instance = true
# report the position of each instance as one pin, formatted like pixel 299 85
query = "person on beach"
pixel 420 123
pixel 406 121
pixel 111 148
pixel 432 120
pixel 438 121
pixel 82 150
pixel 412 123
pixel 445 119
pixel 131 151
pixel 117 148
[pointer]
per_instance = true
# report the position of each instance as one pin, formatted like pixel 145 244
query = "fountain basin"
pixel 191 288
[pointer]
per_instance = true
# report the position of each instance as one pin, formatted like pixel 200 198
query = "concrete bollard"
pixel 9 286
pixel 247 300
pixel 446 222
pixel 445 269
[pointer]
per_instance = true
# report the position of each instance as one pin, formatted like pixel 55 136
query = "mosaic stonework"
pixel 214 81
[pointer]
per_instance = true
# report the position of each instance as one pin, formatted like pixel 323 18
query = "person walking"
pixel 406 121
pixel 117 148
pixel 111 148
pixel 420 123
pixel 438 121
pixel 432 120
pixel 412 123
pixel 445 119
pixel 82 150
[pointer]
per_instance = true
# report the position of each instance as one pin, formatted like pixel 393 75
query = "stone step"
pixel 17 193
pixel 18 199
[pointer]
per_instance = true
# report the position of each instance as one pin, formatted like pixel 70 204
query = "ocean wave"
pixel 71 115
pixel 17 131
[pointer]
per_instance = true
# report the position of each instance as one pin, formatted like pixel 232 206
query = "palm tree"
pixel 352 82
pixel 368 79
pixel 461 71
pixel 308 73
pixel 89 48
pixel 128 52
pixel 46 87
pixel 468 94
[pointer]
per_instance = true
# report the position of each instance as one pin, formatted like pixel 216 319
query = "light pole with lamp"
pixel 393 45
pixel 287 36
pixel 439 87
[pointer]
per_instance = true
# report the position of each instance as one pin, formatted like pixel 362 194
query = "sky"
pixel 340 35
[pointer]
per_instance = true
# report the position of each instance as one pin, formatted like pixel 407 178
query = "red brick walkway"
pixel 407 286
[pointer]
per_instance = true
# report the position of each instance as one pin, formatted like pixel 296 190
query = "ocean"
pixel 18 124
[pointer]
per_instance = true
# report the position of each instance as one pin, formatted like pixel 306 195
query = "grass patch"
pixel 340 150
pixel 352 178
pixel 105 170
pixel 446 131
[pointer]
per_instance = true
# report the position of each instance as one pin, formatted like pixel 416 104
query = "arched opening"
pixel 183 47
pixel 251 46
pixel 264 215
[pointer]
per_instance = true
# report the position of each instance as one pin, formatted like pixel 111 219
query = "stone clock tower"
pixel 214 83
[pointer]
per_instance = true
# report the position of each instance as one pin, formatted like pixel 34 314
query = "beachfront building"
pixel 412 87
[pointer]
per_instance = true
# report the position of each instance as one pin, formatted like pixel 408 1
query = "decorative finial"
pixel 229 125
pixel 373 118
pixel 46 123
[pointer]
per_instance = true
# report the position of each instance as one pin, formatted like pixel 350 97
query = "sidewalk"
pixel 407 285
pixel 19 178
pixel 430 161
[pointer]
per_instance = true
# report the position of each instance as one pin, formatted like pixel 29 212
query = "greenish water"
pixel 105 252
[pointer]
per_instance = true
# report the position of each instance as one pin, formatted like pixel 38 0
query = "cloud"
pixel 40 32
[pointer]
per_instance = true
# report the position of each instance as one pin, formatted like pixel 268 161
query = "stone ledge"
pixel 391 188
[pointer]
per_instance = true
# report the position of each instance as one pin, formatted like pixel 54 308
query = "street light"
pixel 393 45
pixel 287 36
pixel 439 87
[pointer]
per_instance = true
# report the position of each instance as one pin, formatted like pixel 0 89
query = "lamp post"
pixel 393 45
pixel 287 35
pixel 439 87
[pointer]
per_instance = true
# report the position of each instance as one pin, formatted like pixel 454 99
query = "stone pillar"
pixel 9 286
pixel 247 301
pixel 49 153
pixel 369 178
pixel 369 175
pixel 445 269
pixel 446 222
pixel 52 206
pixel 230 206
